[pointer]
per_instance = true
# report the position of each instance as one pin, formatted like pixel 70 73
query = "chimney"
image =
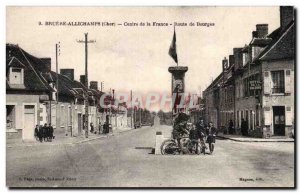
pixel 254 34
pixel 225 63
pixel 262 30
pixel 94 85
pixel 231 60
pixel 47 65
pixel 68 73
pixel 82 79
pixel 286 15
pixel 238 58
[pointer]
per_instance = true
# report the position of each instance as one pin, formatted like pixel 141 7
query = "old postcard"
pixel 150 97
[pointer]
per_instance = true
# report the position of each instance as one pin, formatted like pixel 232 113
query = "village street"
pixel 126 159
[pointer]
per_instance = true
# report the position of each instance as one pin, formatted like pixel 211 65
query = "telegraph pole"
pixel 102 85
pixel 131 120
pixel 140 114
pixel 57 52
pixel 86 98
pixel 116 119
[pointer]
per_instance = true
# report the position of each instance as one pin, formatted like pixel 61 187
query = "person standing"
pixel 211 132
pixel 230 127
pixel 51 130
pixel 45 132
pixel 36 132
pixel 244 127
pixel 40 133
pixel 201 134
pixel 194 137
pixel 99 128
pixel 92 127
pixel 105 128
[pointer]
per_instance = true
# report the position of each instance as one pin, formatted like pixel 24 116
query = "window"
pixel 10 116
pixel 246 87
pixel 16 76
pixel 277 81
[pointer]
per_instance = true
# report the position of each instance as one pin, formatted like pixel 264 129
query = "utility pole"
pixel 140 114
pixel 131 118
pixel 57 51
pixel 116 119
pixel 102 86
pixel 86 98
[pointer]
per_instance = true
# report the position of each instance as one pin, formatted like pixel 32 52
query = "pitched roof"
pixel 260 41
pixel 32 79
pixel 65 85
pixel 215 82
pixel 14 62
pixel 282 47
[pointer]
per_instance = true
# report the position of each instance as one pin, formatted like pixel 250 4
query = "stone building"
pixel 226 104
pixel 212 99
pixel 261 80
pixel 35 95
pixel 278 67
pixel 27 94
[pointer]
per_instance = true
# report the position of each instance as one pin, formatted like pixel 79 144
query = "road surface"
pixel 125 160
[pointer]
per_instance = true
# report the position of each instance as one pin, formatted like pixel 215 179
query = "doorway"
pixel 279 120
pixel 29 122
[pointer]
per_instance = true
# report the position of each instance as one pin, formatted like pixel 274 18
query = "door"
pixel 279 120
pixel 29 122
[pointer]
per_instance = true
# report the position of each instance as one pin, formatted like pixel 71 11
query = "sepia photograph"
pixel 150 97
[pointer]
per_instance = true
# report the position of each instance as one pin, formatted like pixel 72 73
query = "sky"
pixel 136 57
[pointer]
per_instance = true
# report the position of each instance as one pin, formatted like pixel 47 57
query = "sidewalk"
pixel 62 139
pixel 240 138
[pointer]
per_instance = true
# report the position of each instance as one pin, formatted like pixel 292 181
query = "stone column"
pixel 177 84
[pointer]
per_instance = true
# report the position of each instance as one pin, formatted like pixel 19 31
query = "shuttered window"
pixel 267 82
pixel 278 81
pixel 288 82
pixel 267 115
pixel 289 116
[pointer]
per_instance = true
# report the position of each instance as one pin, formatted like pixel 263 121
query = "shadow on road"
pixel 148 148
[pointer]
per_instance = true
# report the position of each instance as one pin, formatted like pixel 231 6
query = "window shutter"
pixel 289 116
pixel 287 82
pixel 267 115
pixel 267 82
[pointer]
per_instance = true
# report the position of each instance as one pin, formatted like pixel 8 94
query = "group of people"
pixel 199 133
pixel 202 134
pixel 44 133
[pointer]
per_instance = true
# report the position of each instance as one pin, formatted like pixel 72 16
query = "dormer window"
pixel 16 76
pixel 16 73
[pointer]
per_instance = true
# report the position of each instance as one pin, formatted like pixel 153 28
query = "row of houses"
pixel 256 86
pixel 35 95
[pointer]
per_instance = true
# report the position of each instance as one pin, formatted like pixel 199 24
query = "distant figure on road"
pixel 244 127
pixel 36 132
pixel 211 132
pixel 92 127
pixel 194 136
pixel 45 132
pixel 50 130
pixel 230 127
pixel 105 128
pixel 40 133
pixel 201 131
pixel 180 127
pixel 100 128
